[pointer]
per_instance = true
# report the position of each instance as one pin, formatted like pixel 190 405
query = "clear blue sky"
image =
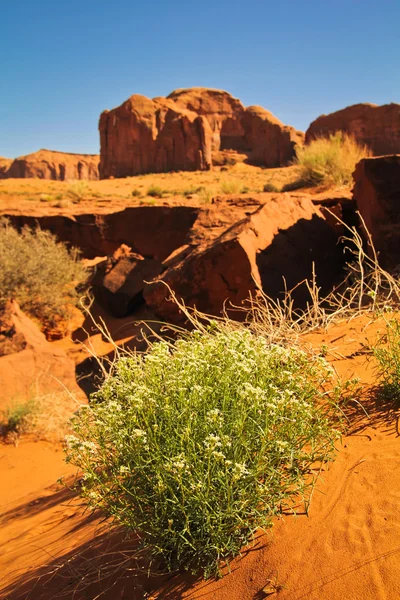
pixel 62 62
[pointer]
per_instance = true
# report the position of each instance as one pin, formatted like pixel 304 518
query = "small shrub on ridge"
pixel 330 160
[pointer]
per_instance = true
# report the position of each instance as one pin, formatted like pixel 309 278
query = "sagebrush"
pixel 330 160
pixel 39 272
pixel 197 444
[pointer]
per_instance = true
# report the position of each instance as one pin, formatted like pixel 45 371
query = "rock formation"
pixel 377 194
pixel 119 281
pixel 50 164
pixel 29 364
pixel 182 131
pixel 376 126
pixel 282 239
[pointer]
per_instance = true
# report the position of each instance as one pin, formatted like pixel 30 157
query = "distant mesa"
pixel 185 132
pixel 50 164
pixel 378 127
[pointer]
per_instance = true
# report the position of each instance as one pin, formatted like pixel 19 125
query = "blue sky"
pixel 62 63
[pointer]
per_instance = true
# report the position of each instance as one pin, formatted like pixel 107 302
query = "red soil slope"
pixel 346 548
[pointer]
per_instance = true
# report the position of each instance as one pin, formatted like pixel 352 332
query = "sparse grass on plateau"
pixel 231 186
pixel 330 160
pixel 39 272
pixel 156 191
pixel 77 191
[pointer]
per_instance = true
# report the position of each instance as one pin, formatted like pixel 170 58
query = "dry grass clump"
pixel 231 186
pixel 77 191
pixel 330 160
pixel 39 272
pixel 46 417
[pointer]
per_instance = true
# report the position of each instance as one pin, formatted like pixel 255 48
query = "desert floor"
pixel 347 547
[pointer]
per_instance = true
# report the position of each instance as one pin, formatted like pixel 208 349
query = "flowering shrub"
pixel 197 445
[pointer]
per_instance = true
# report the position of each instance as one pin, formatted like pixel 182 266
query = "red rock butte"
pixel 51 164
pixel 378 127
pixel 184 131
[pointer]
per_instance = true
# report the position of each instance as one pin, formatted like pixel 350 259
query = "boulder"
pixel 119 281
pixel 377 194
pixel 378 127
pixel 50 164
pixel 29 364
pixel 274 247
pixel 182 131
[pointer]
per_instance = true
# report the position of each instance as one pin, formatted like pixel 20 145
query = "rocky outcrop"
pixel 151 231
pixel 5 164
pixel 282 239
pixel 119 281
pixel 29 364
pixel 377 194
pixel 182 131
pixel 271 143
pixel 50 164
pixel 378 127
pixel 144 135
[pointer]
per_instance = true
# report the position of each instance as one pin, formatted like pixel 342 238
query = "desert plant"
pixel 14 418
pixel 77 191
pixel 387 353
pixel 46 198
pixel 205 195
pixel 192 190
pixel 330 160
pixel 156 191
pixel 198 444
pixel 39 272
pixel 136 193
pixel 231 186
pixel 270 187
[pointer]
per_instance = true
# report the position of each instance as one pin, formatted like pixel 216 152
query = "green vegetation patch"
pixel 196 445
pixel 329 160
pixel 39 272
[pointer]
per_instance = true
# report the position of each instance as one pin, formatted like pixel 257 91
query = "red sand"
pixel 347 548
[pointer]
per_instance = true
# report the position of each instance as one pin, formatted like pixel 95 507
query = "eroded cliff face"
pixel 182 131
pixel 50 164
pixel 376 126
pixel 377 195
pixel 143 136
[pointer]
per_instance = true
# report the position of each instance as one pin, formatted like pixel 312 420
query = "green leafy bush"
pixel 197 445
pixel 330 160
pixel 39 272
